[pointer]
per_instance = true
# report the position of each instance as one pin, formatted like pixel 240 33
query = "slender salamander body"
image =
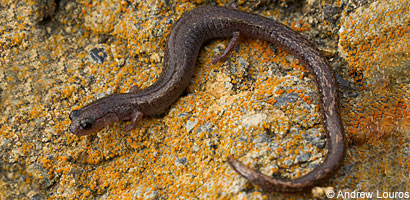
pixel 183 45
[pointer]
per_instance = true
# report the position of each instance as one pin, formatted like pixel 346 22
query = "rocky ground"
pixel 260 104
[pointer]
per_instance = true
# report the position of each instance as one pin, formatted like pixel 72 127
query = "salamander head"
pixel 90 119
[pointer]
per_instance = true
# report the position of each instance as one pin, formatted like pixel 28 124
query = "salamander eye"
pixel 86 123
pixel 74 114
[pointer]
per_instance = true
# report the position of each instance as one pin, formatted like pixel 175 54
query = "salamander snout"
pixel 90 119
pixel 81 125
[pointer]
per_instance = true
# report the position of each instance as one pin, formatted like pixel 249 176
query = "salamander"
pixel 183 45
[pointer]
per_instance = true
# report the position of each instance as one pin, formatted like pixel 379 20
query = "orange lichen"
pixel 379 115
pixel 159 158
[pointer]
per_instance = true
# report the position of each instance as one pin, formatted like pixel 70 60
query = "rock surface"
pixel 259 104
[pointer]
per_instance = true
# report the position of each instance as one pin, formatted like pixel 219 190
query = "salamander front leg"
pixel 135 118
pixel 234 41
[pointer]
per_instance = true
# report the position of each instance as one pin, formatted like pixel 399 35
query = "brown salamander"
pixel 183 45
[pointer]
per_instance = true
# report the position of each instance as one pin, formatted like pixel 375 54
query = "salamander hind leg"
pixel 269 183
pixel 134 89
pixel 234 41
